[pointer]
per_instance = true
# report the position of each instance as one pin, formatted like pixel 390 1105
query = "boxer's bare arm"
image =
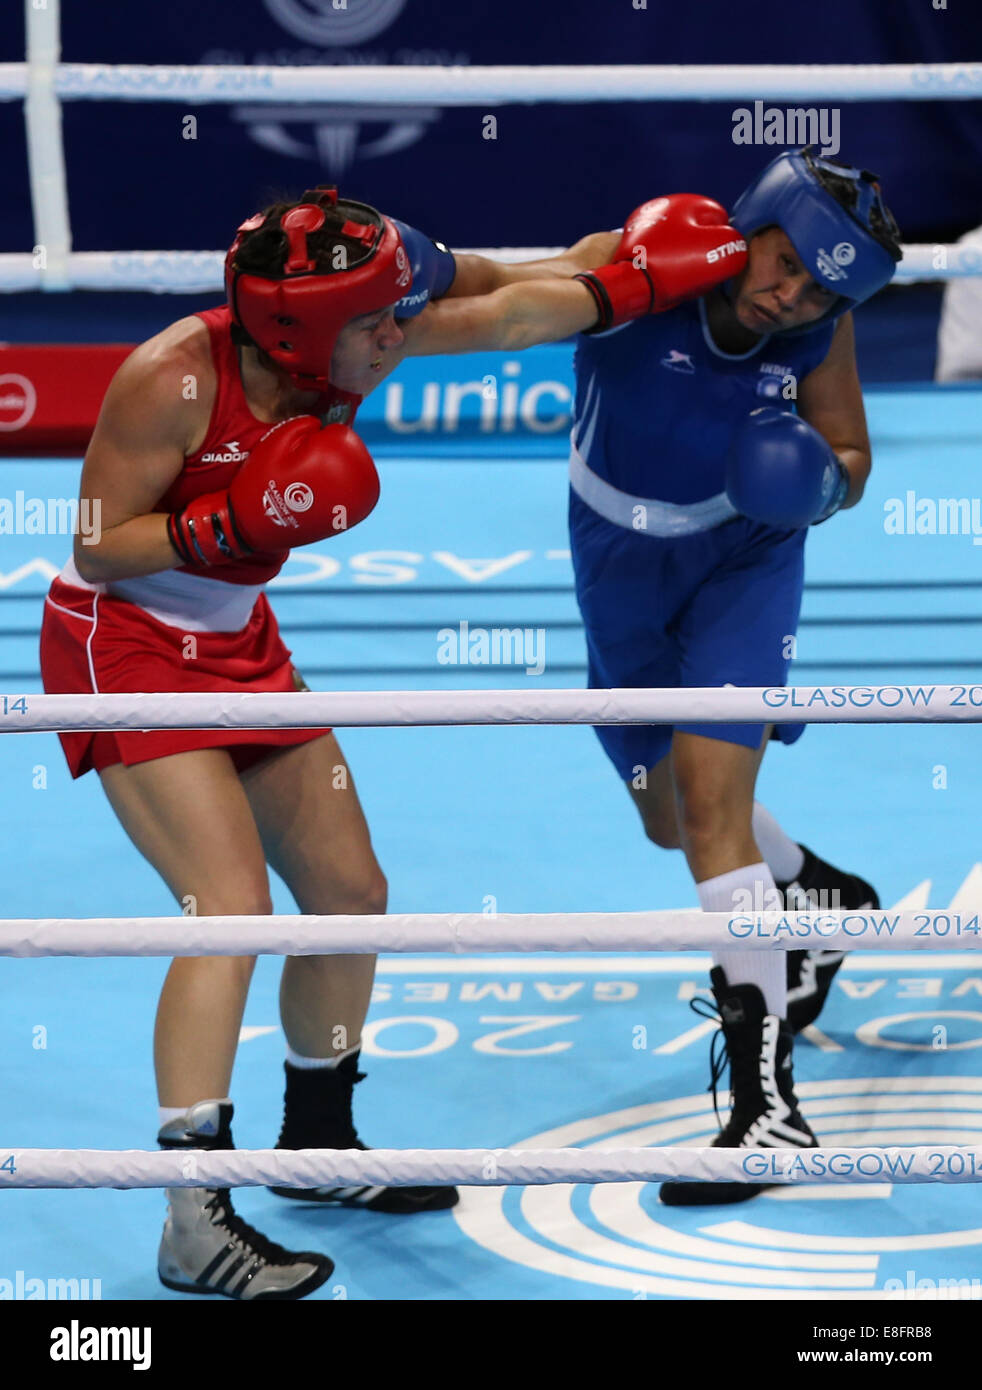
pixel 150 419
pixel 509 319
pixel 831 400
pixel 478 275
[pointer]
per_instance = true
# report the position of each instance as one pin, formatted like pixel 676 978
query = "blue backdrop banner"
pixel 539 173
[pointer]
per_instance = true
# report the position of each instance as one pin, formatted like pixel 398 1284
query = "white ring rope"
pixel 791 704
pixel 476 86
pixel 42 81
pixel 467 933
pixel 128 1168
pixel 202 272
pixel 45 149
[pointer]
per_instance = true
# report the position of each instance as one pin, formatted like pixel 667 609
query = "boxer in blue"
pixel 694 483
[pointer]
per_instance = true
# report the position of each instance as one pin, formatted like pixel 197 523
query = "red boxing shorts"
pixel 94 644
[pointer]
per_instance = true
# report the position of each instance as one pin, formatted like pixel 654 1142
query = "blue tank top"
pixel 657 401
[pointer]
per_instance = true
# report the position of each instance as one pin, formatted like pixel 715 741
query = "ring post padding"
pixel 45 148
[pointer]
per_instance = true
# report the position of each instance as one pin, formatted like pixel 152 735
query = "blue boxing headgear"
pixel 848 239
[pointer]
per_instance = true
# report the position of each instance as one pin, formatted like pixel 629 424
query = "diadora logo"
pixel 232 452
pixel 729 248
pixel 678 362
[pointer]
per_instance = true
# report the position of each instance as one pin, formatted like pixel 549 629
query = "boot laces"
pixel 743 1068
pixel 719 1053
pixel 219 1206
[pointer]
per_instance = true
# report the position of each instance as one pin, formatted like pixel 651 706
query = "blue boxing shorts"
pixel 709 609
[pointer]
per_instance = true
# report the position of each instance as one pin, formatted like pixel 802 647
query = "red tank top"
pixel 233 431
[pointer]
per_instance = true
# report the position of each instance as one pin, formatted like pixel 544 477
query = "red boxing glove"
pixel 300 483
pixel 671 249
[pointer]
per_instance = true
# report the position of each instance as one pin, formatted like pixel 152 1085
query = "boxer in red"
pixel 221 443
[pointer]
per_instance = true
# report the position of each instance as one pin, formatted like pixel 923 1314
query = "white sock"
pixel 785 857
pixel 314 1063
pixel 768 970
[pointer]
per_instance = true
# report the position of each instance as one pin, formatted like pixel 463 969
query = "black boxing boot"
pixel 317 1115
pixel 763 1108
pixel 819 886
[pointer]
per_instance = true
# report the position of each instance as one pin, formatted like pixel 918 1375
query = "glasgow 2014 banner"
pixel 165 175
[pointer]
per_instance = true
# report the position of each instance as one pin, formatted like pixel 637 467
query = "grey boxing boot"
pixel 206 1248
pixel 763 1108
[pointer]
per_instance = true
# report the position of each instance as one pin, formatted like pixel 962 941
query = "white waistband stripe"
pixel 645 516
pixel 190 602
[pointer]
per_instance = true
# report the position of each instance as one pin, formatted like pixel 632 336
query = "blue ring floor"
pixel 495 1052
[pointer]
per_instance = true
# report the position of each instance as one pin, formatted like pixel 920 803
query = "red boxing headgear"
pixel 295 317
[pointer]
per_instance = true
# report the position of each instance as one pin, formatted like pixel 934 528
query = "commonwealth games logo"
pixel 334 134
pixel 299 497
pixel 335 22
pixel 619 1236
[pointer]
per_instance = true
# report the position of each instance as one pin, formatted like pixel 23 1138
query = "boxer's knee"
pixel 714 788
pixel 364 891
pixel 661 826
pixel 714 818
pixel 655 801
pixel 703 821
pixel 373 892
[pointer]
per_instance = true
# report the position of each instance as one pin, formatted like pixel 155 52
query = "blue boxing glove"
pixel 781 471
pixel 433 269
